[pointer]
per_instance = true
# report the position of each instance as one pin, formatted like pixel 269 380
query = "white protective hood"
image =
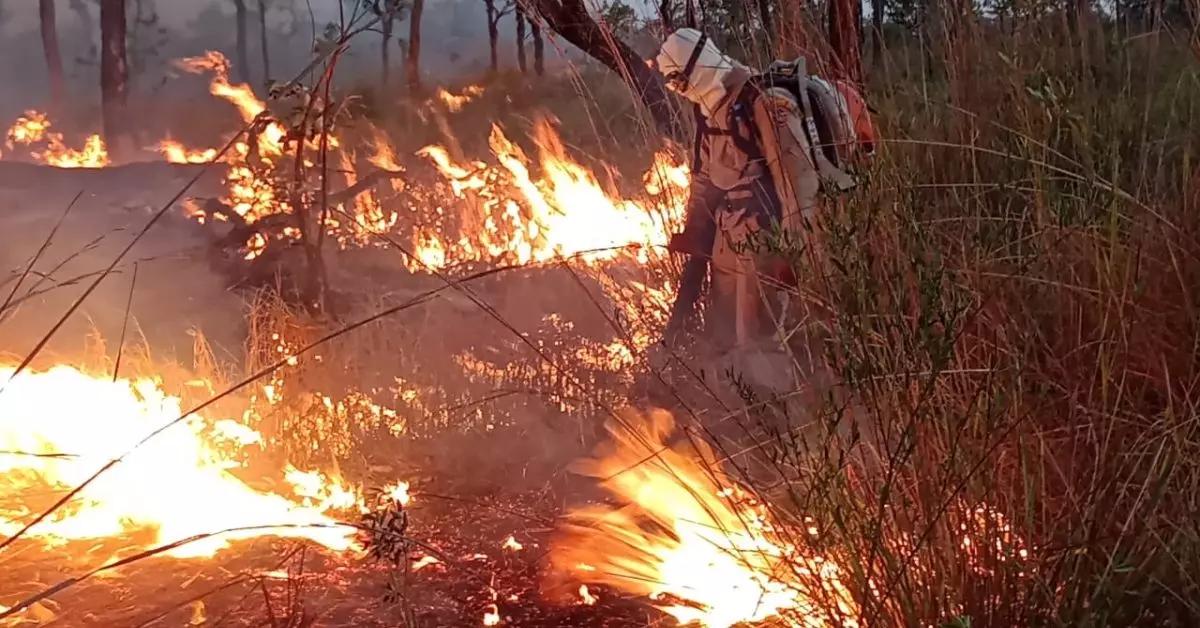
pixel 706 86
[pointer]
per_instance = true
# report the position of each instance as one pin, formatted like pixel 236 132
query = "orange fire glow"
pixel 67 424
pixel 33 131
pixel 455 102
pixel 177 153
pixel 719 562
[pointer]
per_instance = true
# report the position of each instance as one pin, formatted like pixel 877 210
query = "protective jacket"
pixel 759 160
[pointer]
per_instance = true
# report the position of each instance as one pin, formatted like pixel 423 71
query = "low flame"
pixel 177 153
pixel 66 424
pixel 718 561
pixel 33 131
pixel 455 102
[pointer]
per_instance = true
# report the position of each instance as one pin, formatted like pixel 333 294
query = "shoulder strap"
pixel 698 143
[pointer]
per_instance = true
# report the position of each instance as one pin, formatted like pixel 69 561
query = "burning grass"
pixel 1006 436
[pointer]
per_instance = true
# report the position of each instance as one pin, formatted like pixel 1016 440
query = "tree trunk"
pixel 519 15
pixel 114 72
pixel 539 48
pixel 243 50
pixel 666 17
pixel 385 61
pixel 493 31
pixel 263 39
pixel 845 26
pixel 54 64
pixel 877 9
pixel 570 19
pixel 413 60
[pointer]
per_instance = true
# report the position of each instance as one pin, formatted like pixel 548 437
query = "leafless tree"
pixel 495 11
pixel 412 61
pixel 54 64
pixel 114 71
pixel 264 46
pixel 519 15
pixel 571 20
pixel 539 48
pixel 241 16
pixel 388 11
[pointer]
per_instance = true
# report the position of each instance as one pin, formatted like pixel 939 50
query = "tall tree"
pixel 845 28
pixel 114 71
pixel 539 48
pixel 666 17
pixel 54 64
pixel 570 19
pixel 412 61
pixel 263 39
pixel 388 11
pixel 877 9
pixel 494 13
pixel 241 16
pixel 520 19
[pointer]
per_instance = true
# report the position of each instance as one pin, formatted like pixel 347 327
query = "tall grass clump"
pixel 1012 311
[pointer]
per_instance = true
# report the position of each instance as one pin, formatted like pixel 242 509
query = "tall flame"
pixel 686 538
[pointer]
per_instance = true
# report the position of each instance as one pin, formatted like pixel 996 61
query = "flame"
pixel 33 130
pixel 177 153
pixel 68 423
pixel 455 102
pixel 511 210
pixel 715 560
pixel 564 214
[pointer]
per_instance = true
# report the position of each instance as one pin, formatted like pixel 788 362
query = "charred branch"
pixel 570 19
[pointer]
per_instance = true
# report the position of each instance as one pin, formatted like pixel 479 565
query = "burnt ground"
pixel 312 587
pixel 473 488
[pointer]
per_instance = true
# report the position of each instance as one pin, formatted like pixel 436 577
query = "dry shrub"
pixel 1013 313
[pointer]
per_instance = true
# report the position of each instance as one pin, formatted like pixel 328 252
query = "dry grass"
pixel 1010 301
pixel 1012 327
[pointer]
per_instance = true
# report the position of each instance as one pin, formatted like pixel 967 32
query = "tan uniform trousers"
pixel 740 312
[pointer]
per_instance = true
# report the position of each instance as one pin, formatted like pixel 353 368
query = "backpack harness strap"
pixel 755 88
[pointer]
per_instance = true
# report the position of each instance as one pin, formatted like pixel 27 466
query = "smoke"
pixel 175 290
pixel 454 45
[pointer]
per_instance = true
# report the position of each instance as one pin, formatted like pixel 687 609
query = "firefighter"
pixel 766 144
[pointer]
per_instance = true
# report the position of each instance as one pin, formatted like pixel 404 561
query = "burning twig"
pixel 363 185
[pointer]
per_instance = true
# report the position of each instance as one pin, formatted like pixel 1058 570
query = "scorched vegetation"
pixel 428 387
